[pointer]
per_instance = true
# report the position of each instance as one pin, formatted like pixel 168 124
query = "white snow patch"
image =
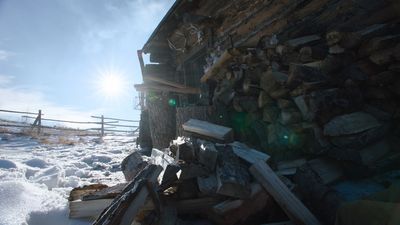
pixel 51 177
pixel 35 179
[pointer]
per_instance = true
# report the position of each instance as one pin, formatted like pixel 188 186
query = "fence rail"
pixel 107 124
pixel 109 118
pixel 19 112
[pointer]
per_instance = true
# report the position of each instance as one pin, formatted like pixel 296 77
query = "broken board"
pixel 293 207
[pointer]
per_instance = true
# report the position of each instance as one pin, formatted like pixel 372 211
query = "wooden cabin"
pixel 209 60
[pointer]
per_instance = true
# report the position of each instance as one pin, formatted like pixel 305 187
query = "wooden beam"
pixel 149 77
pixel 164 88
pixel 293 207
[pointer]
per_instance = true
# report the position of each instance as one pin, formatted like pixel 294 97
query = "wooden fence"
pixel 103 126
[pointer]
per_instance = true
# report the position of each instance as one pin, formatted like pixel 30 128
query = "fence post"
pixel 39 118
pixel 38 122
pixel 102 125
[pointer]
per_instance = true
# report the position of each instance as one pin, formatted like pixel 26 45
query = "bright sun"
pixel 111 84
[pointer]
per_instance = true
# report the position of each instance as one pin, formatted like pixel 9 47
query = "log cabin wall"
pixel 281 70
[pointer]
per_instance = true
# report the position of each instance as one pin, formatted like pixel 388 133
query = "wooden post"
pixel 102 125
pixel 39 118
pixel 37 122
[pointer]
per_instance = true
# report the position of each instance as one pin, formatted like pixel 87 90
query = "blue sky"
pixel 53 53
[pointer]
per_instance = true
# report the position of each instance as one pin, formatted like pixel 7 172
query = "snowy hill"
pixel 36 178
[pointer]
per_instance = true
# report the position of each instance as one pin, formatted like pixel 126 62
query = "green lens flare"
pixel 172 102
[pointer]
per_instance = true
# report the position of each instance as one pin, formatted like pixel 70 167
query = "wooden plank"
pixel 164 88
pixel 19 112
pixel 208 129
pixel 293 207
pixel 248 154
pixel 87 209
pixel 106 193
pixel 78 192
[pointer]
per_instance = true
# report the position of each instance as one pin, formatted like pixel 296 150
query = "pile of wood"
pixel 334 94
pixel 205 178
pixel 195 181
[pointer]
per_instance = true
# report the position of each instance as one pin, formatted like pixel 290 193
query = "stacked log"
pixel 347 99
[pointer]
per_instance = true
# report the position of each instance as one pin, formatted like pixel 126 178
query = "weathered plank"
pixel 208 129
pixel 248 154
pixel 293 207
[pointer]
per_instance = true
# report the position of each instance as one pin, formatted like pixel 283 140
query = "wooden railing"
pixel 106 124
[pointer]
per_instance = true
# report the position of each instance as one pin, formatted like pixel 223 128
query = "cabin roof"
pixel 169 19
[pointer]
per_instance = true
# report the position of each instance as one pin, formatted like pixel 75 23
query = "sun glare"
pixel 111 84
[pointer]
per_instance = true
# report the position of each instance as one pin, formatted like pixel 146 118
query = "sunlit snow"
pixel 35 179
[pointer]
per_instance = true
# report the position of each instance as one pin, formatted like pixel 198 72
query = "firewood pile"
pixel 315 94
pixel 326 103
pixel 335 95
pixel 207 178
pixel 195 181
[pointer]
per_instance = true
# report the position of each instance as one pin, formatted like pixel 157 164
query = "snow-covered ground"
pixel 35 179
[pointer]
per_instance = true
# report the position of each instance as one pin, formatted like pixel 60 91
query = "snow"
pixel 7 164
pixel 35 178
pixel 36 163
